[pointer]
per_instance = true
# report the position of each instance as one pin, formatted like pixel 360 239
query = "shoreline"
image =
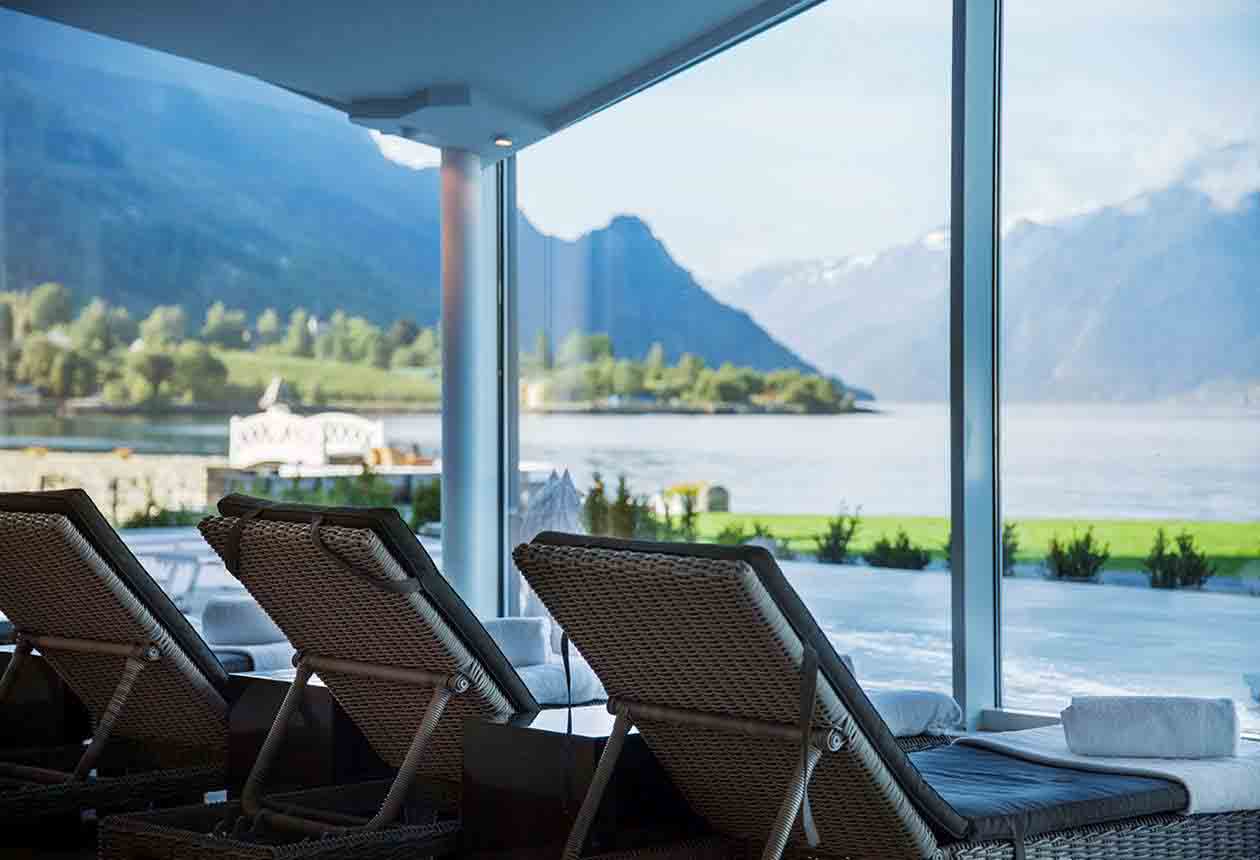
pixel 68 410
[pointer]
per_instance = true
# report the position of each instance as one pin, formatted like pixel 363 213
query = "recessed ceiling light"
pixel 503 141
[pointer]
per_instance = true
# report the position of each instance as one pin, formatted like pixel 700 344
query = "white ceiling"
pixel 444 73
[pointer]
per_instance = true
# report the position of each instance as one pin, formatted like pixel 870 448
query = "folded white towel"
pixel 1151 727
pixel 917 712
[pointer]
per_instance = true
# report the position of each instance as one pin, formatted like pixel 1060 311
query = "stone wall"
pixel 121 483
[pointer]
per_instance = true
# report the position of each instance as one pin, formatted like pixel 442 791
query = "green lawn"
pixel 1233 546
pixel 339 382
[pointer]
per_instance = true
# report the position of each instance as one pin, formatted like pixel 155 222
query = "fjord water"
pixel 1058 460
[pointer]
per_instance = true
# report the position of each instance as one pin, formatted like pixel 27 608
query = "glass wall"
pixel 1130 356
pixel 180 245
pixel 734 320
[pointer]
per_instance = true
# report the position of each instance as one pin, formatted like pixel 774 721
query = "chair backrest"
pixel 65 573
pixel 330 603
pixel 719 630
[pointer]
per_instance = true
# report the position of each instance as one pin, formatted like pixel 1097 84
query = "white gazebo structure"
pixel 278 437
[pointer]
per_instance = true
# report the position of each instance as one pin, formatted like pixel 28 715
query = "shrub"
pixel 155 516
pixel 899 553
pixel 687 519
pixel 623 513
pixel 1010 546
pixel 595 508
pixel 627 516
pixel 426 504
pixel 733 534
pixel 1079 559
pixel 833 545
pixel 1182 567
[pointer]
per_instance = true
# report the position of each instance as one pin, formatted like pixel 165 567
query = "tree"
pixel 628 378
pixel 366 343
pixel 424 351
pixel 164 326
pixel 595 507
pixel 333 341
pixel 100 328
pixel 36 363
pixel 225 327
pixel 8 357
pixel 403 333
pixel 154 368
pixel 542 351
pixel 7 327
pixel 298 339
pixel 581 348
pixel 123 329
pixel 197 374
pixel 73 374
pixel 267 326
pixel 654 362
pixel 50 305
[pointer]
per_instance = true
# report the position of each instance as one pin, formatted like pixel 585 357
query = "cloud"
pixel 408 153
pixel 1228 176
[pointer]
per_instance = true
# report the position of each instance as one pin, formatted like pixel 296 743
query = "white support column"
pixel 472 510
pixel 974 245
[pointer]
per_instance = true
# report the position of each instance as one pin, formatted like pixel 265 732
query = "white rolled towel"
pixel 1151 727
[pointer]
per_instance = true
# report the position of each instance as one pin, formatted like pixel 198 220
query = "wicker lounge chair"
pixel 366 609
pixel 710 653
pixel 153 689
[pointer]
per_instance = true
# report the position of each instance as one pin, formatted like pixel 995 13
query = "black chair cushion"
pixel 1003 797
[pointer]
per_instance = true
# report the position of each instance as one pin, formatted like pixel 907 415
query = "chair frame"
pixel 257 806
pixel 138 658
pixel 626 712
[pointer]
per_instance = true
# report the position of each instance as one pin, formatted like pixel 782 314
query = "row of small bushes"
pixel 1180 564
pixel 1079 558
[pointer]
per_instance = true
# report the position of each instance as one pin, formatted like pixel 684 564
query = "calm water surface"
pixel 1058 460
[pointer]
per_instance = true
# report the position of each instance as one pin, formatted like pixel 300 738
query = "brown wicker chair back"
pixel 329 604
pixel 704 636
pixel 53 583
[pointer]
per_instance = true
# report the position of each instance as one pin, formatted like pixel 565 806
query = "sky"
pixel 828 135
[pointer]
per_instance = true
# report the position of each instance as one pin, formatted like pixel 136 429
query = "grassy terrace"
pixel 1232 546
pixel 335 381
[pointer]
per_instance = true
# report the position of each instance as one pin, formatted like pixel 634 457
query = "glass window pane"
pixel 1130 355
pixel 180 245
pixel 734 297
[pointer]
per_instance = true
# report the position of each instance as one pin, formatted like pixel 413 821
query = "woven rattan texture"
pixel 919 743
pixel 711 848
pixel 326 611
pixel 52 582
pixel 186 834
pixel 702 634
pixel 31 800
pixel 1227 836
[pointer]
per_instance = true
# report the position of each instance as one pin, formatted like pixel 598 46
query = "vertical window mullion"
pixel 974 245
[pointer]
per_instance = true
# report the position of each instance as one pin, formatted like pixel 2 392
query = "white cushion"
pixel 524 641
pixel 546 682
pixel 917 712
pixel 238 620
